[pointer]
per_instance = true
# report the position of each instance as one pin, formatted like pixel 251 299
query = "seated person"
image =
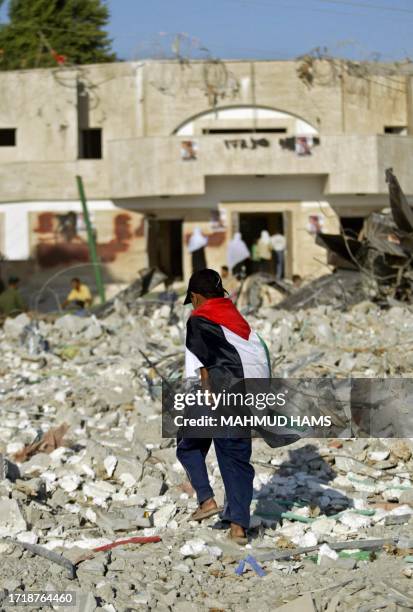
pixel 79 296
pixel 11 302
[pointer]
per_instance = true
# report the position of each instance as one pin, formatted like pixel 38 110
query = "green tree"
pixel 45 33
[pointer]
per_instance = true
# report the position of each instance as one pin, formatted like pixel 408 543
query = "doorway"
pixel 164 246
pixel 252 224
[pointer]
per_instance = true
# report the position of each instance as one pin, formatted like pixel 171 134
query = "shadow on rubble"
pixel 300 481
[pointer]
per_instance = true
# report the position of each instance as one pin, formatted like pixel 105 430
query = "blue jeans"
pixel 233 455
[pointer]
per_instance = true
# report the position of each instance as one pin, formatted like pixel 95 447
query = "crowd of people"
pixel 267 253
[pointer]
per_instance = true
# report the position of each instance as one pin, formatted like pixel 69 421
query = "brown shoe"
pixel 241 540
pixel 237 534
pixel 200 515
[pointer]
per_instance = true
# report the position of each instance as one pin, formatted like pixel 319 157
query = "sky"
pixel 261 29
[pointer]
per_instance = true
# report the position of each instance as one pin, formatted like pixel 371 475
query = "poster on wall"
pixel 303 145
pixel 218 220
pixel 189 150
pixel 315 224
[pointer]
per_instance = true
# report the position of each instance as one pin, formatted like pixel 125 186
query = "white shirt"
pixel 278 242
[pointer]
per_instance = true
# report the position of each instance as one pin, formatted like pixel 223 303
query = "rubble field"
pixel 84 472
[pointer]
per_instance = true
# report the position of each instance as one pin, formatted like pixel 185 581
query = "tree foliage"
pixel 46 33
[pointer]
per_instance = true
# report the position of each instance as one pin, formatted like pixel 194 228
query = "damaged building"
pixel 293 147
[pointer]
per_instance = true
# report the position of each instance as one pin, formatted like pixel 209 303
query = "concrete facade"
pixel 195 144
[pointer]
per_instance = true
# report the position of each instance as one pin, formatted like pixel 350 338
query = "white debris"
pixel 326 551
pixel 14 447
pixel 27 536
pixel 181 567
pixel 70 324
pixel 401 510
pixel 308 539
pixel 128 480
pixel 323 526
pixel 110 463
pixel 391 494
pixel 13 327
pixel 93 331
pixel 11 519
pixel 70 482
pixel 60 396
pixel 99 490
pixel 91 515
pixel 196 547
pixel 163 516
pixel 378 455
pixel 294 531
pixel 354 521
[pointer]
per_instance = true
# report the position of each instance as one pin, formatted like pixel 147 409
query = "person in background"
pixel 225 274
pixel 255 260
pixel 238 254
pixel 264 251
pixel 278 243
pixel 79 296
pixel 196 246
pixel 11 302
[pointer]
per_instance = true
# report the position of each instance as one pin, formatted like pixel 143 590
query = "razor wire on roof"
pixel 320 67
pixel 216 80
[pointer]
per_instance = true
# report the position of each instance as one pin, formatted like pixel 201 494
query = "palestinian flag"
pixel 220 339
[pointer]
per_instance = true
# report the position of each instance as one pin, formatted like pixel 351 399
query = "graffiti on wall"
pixel 62 238
pixel 244 143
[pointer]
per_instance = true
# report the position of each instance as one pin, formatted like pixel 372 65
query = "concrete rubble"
pixel 113 477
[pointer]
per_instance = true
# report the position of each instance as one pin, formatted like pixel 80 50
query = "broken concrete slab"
pixel 164 515
pixel 13 327
pixel 11 519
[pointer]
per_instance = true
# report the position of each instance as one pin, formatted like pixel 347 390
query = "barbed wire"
pixel 320 67
pixel 217 81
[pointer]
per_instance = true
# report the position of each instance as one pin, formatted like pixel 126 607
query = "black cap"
pixel 207 282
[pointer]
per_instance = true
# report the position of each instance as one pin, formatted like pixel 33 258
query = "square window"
pixel 90 146
pixel 7 137
pixel 395 129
